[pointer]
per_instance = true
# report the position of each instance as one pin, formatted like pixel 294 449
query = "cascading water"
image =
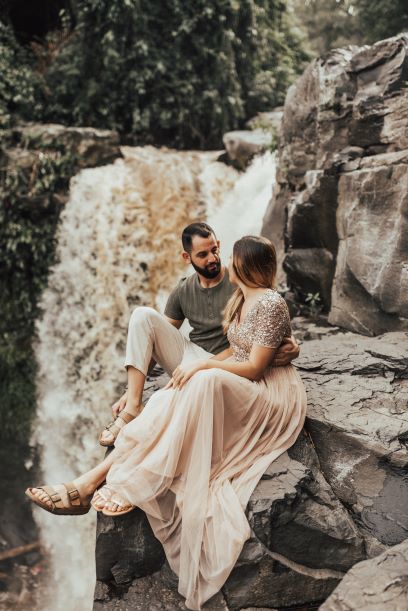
pixel 243 207
pixel 118 246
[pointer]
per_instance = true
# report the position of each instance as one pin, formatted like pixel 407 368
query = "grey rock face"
pixel 242 146
pixel 342 186
pixel 93 147
pixel 357 416
pixel 379 584
pixel 301 535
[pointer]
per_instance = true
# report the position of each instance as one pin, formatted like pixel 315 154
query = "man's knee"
pixel 142 314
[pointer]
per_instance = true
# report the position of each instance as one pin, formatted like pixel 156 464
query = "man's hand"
pixel 287 352
pixel 119 405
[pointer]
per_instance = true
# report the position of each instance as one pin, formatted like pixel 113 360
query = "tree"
pixel 169 72
pixel 380 19
pixel 336 23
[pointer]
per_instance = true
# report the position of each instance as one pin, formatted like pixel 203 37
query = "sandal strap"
pixel 73 494
pixel 53 495
pixel 126 417
pixel 114 427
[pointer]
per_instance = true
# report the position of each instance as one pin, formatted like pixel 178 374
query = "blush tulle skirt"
pixel 192 459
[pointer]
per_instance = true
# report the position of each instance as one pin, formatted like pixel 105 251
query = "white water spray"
pixel 118 245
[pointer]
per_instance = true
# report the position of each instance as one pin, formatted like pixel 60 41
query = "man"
pixel 199 298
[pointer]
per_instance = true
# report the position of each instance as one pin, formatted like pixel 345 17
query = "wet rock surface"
pixel 342 183
pixel 357 417
pixel 377 584
pixel 242 146
pixel 92 147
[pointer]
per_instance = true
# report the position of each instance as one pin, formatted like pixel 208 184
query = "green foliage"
pixel 18 83
pixel 330 24
pixel 29 213
pixel 314 305
pixel 378 19
pixel 172 72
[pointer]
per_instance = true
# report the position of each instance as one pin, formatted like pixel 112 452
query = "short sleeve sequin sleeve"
pixel 272 322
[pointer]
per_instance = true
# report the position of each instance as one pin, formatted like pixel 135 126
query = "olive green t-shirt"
pixel 203 309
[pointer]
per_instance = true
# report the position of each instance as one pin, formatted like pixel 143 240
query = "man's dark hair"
pixel 201 229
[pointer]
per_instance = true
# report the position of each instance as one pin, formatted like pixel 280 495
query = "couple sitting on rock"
pixel 191 458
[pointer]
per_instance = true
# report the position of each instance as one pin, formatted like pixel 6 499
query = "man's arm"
pixel 287 352
pixel 174 322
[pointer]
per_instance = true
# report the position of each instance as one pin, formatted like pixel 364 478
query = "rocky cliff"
pixel 339 210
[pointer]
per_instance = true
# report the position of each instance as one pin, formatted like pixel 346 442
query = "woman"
pixel 194 455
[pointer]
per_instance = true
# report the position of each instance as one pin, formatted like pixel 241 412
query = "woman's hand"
pixel 119 405
pixel 182 374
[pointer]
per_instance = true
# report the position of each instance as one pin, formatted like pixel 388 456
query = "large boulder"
pixel 91 147
pixel 357 391
pixel 301 534
pixel 342 186
pixel 242 146
pixel 379 584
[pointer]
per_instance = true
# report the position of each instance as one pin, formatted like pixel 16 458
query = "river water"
pixel 118 246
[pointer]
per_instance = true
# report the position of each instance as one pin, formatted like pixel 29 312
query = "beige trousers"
pixel 151 335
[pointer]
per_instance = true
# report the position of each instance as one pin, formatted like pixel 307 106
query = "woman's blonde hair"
pixel 254 262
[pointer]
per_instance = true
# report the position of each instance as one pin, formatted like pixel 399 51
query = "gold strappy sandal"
pixel 115 427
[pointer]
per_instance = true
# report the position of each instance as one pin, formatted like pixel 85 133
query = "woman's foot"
pixel 62 499
pixel 115 505
pixel 100 498
pixel 108 436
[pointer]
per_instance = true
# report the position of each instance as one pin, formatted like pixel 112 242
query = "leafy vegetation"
pixel 330 24
pixel 171 72
pixel 18 83
pixel 29 212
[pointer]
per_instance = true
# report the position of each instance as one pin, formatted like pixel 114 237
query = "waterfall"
pixel 243 207
pixel 118 246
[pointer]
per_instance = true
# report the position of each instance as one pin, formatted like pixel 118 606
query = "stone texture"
pixel 357 416
pixel 371 282
pixel 312 270
pixel 342 186
pixel 241 146
pixel 93 147
pixel 379 584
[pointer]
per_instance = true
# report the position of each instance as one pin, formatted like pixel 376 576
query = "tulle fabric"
pixel 192 459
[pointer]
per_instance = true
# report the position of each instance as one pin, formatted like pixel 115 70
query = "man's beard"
pixel 207 273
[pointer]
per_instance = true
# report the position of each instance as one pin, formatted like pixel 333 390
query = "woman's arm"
pixel 253 369
pixel 221 356
pixel 259 359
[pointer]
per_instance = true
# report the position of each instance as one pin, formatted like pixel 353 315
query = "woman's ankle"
pixel 85 488
pixel 133 406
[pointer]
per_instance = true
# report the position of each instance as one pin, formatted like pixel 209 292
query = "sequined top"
pixel 266 324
